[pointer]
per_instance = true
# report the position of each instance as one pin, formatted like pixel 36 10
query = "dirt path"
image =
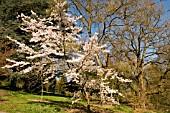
pixel 3 93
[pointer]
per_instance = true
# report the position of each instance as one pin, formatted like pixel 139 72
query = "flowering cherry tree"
pixel 86 72
pixel 55 45
pixel 107 76
pixel 52 40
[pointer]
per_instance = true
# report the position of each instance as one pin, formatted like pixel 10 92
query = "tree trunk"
pixel 101 95
pixel 88 106
pixel 87 97
pixel 142 93
pixel 42 88
pixel 13 83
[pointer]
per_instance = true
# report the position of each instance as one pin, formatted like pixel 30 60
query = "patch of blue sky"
pixel 166 7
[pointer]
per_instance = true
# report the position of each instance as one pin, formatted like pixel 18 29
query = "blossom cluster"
pixel 49 41
pixel 85 65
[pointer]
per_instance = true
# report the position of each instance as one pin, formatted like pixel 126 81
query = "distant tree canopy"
pixel 9 9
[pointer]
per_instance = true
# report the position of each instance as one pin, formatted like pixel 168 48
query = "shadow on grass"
pixel 66 106
pixel 25 92
pixel 8 88
pixel 60 105
pixel 53 94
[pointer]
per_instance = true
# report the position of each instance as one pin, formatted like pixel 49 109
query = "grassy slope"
pixel 19 102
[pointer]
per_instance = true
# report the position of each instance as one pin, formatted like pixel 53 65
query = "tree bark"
pixel 142 93
pixel 88 106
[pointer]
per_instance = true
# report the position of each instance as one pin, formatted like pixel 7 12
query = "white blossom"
pixel 46 44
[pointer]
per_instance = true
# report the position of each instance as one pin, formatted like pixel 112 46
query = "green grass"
pixel 20 102
pixel 123 109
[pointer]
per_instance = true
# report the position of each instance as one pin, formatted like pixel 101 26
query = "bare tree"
pixel 138 39
pixel 134 31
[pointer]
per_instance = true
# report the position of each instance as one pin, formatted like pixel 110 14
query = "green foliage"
pixel 157 88
pixel 60 85
pixel 9 9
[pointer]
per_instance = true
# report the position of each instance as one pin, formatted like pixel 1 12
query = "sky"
pixel 166 4
pixel 167 7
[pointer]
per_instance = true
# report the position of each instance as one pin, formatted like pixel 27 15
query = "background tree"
pixel 60 86
pixel 141 35
pixel 161 92
pixel 5 52
pixel 157 88
pixel 9 11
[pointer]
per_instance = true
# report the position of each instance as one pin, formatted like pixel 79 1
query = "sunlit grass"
pixel 20 102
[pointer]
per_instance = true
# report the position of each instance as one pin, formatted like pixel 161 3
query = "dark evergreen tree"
pixel 9 26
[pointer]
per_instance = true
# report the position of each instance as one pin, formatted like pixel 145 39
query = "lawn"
pixel 21 102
